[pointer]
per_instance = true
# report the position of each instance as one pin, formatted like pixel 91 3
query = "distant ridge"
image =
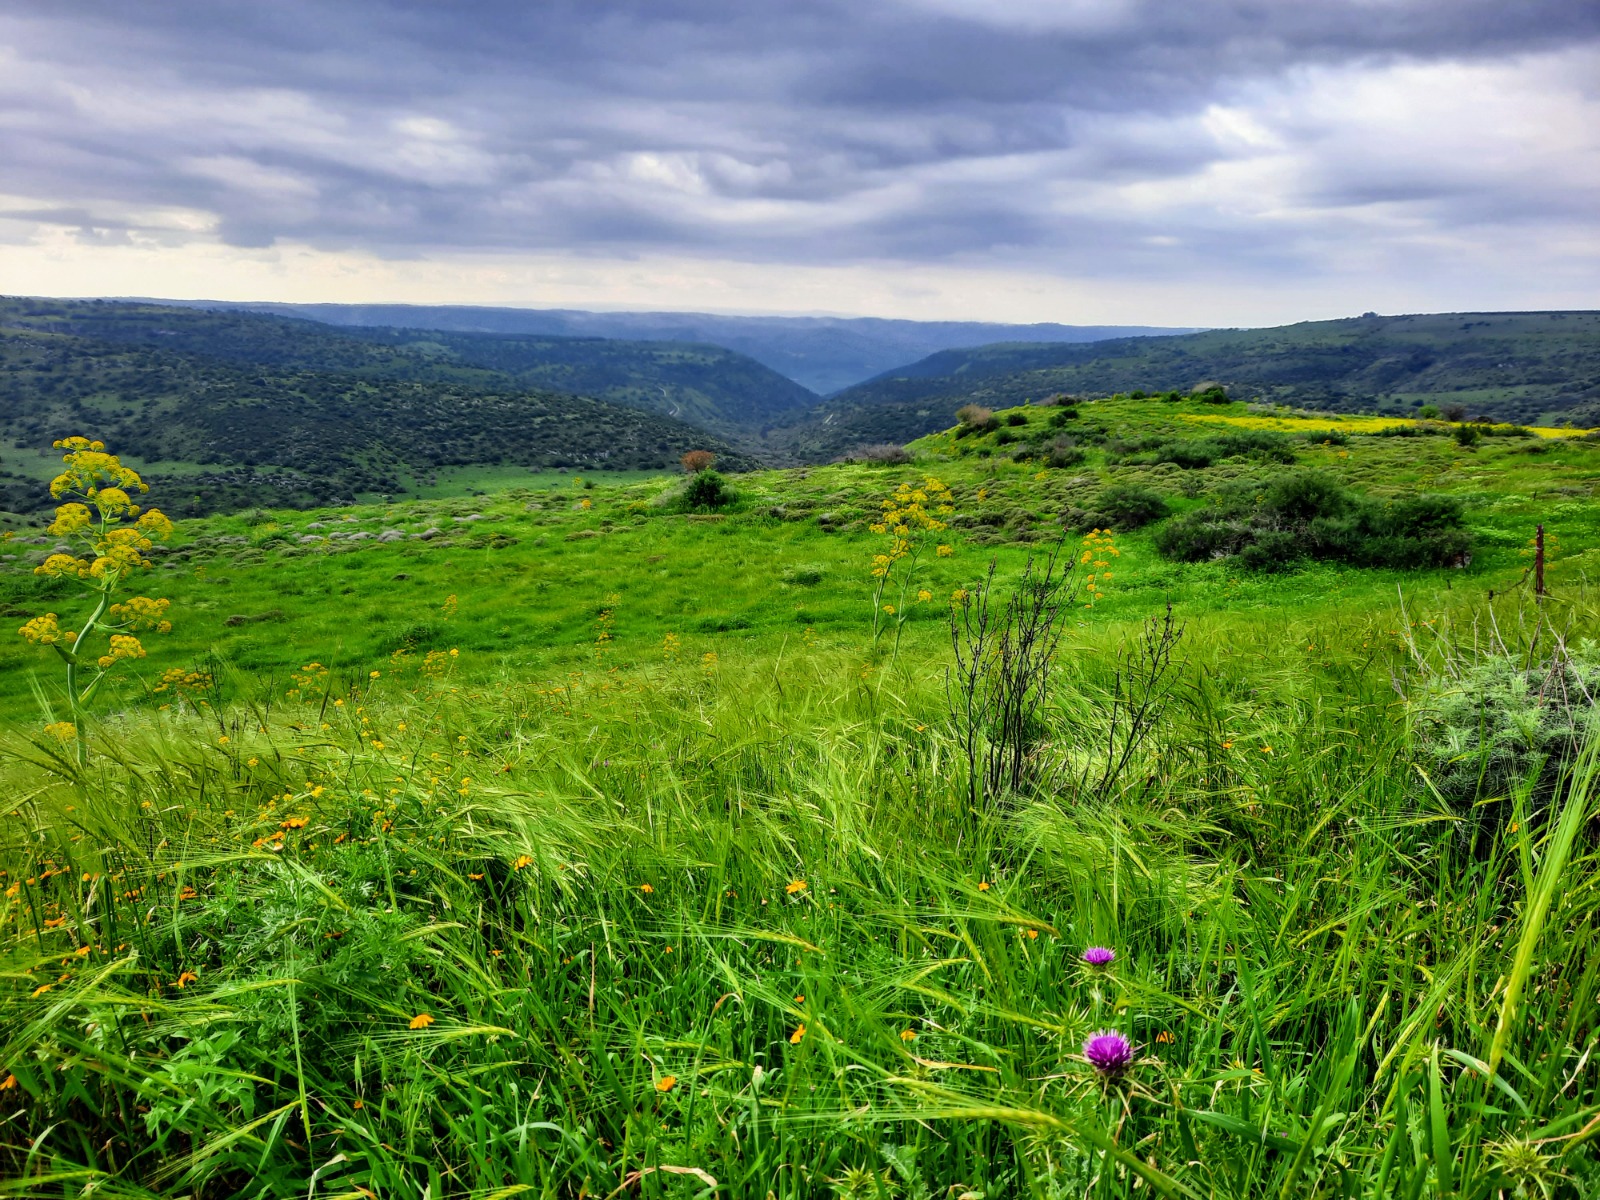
pixel 1531 367
pixel 823 354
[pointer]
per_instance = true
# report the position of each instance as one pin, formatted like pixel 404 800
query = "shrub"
pixel 1428 412
pixel 1483 727
pixel 1063 416
pixel 1454 412
pixel 707 491
pixel 1121 507
pixel 1210 393
pixel 1064 452
pixel 1131 507
pixel 975 418
pixel 885 453
pixel 1005 437
pixel 1466 435
pixel 696 461
pixel 1307 514
pixel 1016 418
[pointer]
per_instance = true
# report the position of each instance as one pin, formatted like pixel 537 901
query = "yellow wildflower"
pixel 800 1032
pixel 421 1021
pixel 795 885
pixel 666 1083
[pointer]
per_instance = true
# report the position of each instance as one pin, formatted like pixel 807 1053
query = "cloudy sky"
pixel 1193 162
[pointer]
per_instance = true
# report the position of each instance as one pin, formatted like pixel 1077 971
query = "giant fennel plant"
pixel 110 535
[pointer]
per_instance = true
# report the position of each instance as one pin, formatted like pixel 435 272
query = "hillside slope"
pixel 1528 367
pixel 708 385
pixel 288 413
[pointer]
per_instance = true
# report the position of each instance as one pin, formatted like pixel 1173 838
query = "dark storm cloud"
pixel 810 130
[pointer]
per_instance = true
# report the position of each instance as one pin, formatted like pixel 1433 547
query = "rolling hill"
pixel 259 410
pixel 1528 367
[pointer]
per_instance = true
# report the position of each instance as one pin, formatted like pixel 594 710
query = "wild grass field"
pixel 565 842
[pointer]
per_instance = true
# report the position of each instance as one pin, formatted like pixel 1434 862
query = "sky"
pixel 1177 162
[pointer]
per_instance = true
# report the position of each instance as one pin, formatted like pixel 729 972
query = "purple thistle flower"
pixel 1099 956
pixel 1108 1053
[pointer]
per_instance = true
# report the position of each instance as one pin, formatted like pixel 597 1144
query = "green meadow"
pixel 561 840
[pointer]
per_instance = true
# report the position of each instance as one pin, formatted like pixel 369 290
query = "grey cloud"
pixel 812 131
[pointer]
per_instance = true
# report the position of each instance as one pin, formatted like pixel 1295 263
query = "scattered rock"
pixel 428 534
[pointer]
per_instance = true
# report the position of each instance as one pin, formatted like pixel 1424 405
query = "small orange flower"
pixel 983 885
pixel 357 1104
pixel 800 1032
pixel 795 885
pixel 799 999
pixel 9 1082
pixel 666 1083
pixel 187 978
pixel 296 822
pixel 41 990
pixel 908 1035
pixel 1033 935
pixel 1165 1038
pixel 524 860
pixel 421 1021
pixel 1227 745
pixel 646 888
pixel 470 875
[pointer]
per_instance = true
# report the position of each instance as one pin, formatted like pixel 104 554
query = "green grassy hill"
pixel 577 841
pixel 1535 368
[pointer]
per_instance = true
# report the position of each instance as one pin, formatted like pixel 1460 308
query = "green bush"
pixel 1123 507
pixel 1016 418
pixel 1309 515
pixel 707 491
pixel 1483 729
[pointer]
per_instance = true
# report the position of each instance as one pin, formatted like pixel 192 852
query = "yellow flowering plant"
pixel 111 535
pixel 911 518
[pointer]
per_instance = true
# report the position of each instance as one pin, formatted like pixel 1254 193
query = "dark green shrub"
pixel 1063 416
pixel 1123 507
pixel 707 491
pixel 1428 412
pixel 1004 438
pixel 1211 393
pixel 1466 435
pixel 1310 515
pixel 1130 506
pixel 1016 418
pixel 1327 437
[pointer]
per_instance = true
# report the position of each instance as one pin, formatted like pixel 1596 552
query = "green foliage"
pixel 707 491
pixel 1122 508
pixel 1309 515
pixel 1497 730
pixel 1197 452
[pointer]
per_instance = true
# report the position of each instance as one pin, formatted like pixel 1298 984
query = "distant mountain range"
pixel 823 354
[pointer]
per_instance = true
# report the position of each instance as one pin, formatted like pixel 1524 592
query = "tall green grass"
pixel 731 927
